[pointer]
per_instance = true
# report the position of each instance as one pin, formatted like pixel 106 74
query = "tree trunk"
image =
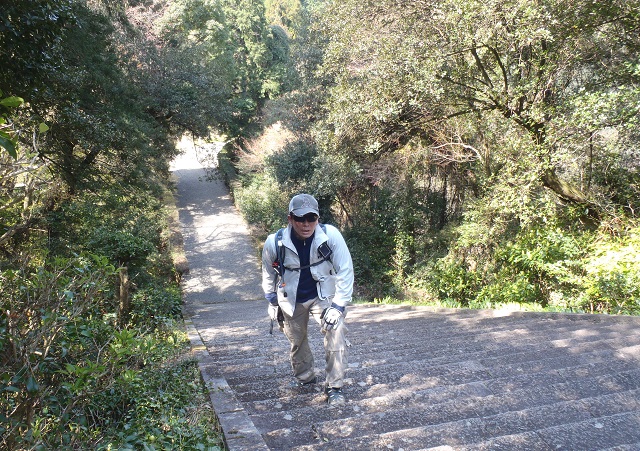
pixel 568 192
pixel 563 189
pixel 123 296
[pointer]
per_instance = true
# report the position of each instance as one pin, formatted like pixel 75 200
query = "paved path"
pixel 419 378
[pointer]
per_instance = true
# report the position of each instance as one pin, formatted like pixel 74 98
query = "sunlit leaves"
pixel 8 139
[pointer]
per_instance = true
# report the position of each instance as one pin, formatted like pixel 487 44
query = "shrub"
pixel 452 282
pixel 293 164
pixel 168 410
pixel 263 204
pixel 611 283
pixel 52 318
pixel 507 289
pixel 154 305
pixel 547 258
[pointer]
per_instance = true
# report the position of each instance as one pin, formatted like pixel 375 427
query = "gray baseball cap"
pixel 302 204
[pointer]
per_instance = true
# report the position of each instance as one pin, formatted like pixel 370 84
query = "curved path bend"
pixel 418 378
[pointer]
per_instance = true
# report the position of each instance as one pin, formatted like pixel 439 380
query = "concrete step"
pixel 514 412
pixel 523 357
pixel 430 379
pixel 246 359
pixel 395 350
pixel 362 402
pixel 375 379
pixel 618 430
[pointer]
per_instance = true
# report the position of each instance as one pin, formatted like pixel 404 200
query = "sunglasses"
pixel 309 217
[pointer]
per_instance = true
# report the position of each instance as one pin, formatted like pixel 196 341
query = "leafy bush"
pixel 154 305
pixel 540 260
pixel 371 253
pixel 507 289
pixel 452 282
pixel 611 283
pixel 73 379
pixel 263 204
pixel 168 410
pixel 53 317
pixel 122 224
pixel 74 373
pixel 403 256
pixel 293 165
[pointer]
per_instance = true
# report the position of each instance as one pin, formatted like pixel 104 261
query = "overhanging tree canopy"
pixel 554 75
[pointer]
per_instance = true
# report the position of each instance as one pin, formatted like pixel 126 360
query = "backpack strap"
pixel 324 250
pixel 278 264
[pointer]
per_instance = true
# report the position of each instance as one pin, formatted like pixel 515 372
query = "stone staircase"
pixel 419 378
pixel 422 378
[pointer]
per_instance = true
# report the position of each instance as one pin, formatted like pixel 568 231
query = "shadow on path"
pixel 224 269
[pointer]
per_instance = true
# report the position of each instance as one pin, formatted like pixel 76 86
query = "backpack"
pixel 324 252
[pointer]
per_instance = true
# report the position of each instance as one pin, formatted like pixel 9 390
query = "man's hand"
pixel 331 317
pixel 273 305
pixel 273 312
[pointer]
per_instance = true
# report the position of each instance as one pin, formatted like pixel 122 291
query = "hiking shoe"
pixel 335 397
pixel 297 383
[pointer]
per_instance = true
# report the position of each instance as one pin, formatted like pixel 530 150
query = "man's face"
pixel 303 226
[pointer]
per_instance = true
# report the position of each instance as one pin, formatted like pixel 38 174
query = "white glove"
pixel 273 312
pixel 331 317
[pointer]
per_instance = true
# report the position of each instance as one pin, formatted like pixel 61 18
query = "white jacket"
pixel 334 277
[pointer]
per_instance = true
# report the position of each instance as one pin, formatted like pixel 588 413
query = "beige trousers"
pixel 295 328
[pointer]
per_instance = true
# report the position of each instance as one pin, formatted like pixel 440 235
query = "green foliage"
pixel 49 315
pixel 542 267
pixel 331 176
pixel 501 66
pixel 372 253
pixel 155 306
pixel 89 98
pixel 226 168
pixel 452 281
pixel 169 410
pixel 470 151
pixel 122 225
pixel 509 288
pixel 404 247
pixel 281 76
pixel 285 13
pixel 7 137
pixel 235 62
pixel 546 258
pixel 612 280
pixel 77 377
pixel 65 66
pixel 195 35
pixel 507 114
pixel 30 35
pixel 264 204
pixel 614 292
pixel 293 165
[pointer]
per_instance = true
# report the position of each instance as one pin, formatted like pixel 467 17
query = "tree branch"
pixel 568 192
pixel 6 236
pixel 503 69
pixel 485 75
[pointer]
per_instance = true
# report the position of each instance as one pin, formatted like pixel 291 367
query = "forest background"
pixel 475 154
